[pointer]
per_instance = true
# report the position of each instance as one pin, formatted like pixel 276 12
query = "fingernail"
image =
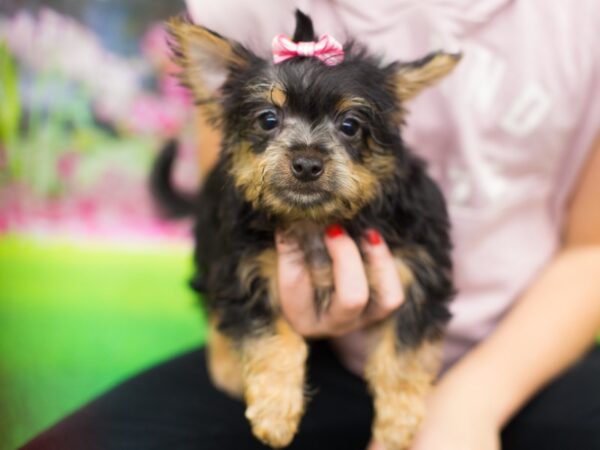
pixel 334 231
pixel 373 237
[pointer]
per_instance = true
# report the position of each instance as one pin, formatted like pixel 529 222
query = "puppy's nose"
pixel 307 168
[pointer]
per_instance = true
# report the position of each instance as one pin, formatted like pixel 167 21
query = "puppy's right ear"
pixel 205 58
pixel 411 78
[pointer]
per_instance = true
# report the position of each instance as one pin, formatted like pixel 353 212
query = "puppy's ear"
pixel 411 78
pixel 205 58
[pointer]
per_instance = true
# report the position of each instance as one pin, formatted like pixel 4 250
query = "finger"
pixel 351 288
pixel 294 286
pixel 383 276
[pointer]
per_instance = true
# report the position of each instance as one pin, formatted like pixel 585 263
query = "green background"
pixel 78 319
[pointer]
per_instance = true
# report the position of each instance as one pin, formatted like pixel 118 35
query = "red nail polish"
pixel 373 237
pixel 334 231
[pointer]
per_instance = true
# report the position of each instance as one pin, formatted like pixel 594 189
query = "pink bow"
pixel 327 49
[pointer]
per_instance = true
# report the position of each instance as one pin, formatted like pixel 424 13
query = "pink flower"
pixel 67 164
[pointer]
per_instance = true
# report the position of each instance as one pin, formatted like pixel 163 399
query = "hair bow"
pixel 327 49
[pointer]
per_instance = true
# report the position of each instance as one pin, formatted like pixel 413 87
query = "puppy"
pixel 310 139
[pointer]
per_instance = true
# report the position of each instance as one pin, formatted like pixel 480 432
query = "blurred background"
pixel 92 284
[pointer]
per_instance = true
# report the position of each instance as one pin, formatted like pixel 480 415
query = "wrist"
pixel 476 394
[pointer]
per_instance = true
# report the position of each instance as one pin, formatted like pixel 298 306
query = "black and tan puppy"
pixel 305 145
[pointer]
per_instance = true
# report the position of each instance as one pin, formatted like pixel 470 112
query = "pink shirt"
pixel 506 135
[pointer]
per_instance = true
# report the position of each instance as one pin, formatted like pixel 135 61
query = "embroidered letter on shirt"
pixel 485 75
pixel 527 111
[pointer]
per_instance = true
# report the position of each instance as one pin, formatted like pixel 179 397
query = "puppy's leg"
pixel 224 365
pixel 405 355
pixel 400 379
pixel 273 368
pixel 272 356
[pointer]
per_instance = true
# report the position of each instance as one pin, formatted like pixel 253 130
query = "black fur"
pixel 304 28
pixel 172 204
pixel 409 210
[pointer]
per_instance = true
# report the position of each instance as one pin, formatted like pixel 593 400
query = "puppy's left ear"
pixel 411 78
pixel 205 57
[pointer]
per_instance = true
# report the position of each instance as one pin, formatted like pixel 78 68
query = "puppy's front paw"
pixel 397 419
pixel 400 382
pixel 274 367
pixel 275 414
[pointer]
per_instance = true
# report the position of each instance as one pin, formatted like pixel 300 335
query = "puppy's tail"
pixel 171 203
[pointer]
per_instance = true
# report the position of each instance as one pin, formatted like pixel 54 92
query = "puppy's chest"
pixel 310 240
pixel 318 262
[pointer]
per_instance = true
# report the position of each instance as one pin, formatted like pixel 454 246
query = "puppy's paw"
pixel 275 417
pixel 400 382
pixel 397 419
pixel 273 372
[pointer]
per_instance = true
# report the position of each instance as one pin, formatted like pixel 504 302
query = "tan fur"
pixel 406 275
pixel 268 371
pixel 197 51
pixel 278 96
pixel 224 365
pixel 273 367
pixel 352 102
pixel 357 184
pixel 253 174
pixel 400 381
pixel 382 165
pixel 366 186
pixel 246 171
pixel 411 80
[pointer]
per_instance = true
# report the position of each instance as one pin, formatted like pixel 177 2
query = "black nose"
pixel 307 168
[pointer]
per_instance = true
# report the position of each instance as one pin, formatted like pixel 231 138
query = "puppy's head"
pixel 303 139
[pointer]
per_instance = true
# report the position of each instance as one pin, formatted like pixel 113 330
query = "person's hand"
pixel 455 422
pixel 350 309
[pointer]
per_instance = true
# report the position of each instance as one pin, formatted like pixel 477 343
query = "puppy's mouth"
pixel 304 196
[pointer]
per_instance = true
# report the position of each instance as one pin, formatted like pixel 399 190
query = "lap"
pixel 565 415
pixel 174 405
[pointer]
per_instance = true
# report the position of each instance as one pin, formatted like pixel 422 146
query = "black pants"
pixel 173 406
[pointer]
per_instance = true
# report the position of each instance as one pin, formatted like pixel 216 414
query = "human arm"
pixel 548 329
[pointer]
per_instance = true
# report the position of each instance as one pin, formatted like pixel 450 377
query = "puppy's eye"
pixel 349 126
pixel 268 120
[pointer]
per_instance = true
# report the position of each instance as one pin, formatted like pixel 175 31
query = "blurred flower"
pixel 53 42
pixel 149 113
pixel 67 164
pixel 155 46
pixel 89 132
